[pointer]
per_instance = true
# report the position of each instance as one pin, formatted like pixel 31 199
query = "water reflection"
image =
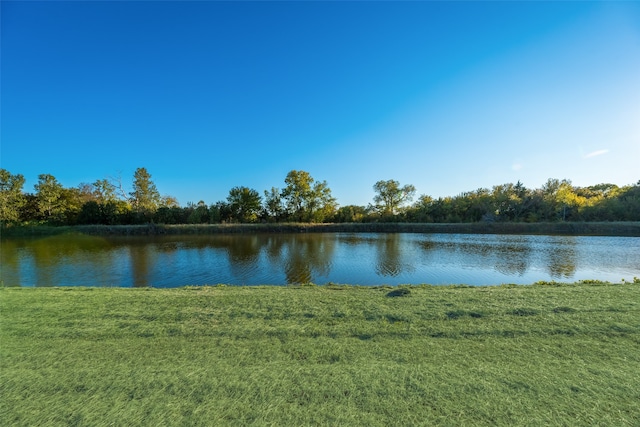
pixel 10 264
pixel 306 256
pixel 168 261
pixel 142 262
pixel 561 257
pixel 390 260
pixel 510 255
pixel 53 261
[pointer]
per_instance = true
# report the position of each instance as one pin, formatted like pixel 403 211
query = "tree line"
pixel 304 199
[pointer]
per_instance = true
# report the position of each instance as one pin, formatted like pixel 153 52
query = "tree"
pixel 11 197
pixel 169 202
pixel 307 200
pixel 350 213
pixel 71 201
pixel 322 204
pixel 199 213
pixel 273 204
pixel 510 202
pixel 245 203
pixel 49 197
pixel 220 212
pixel 90 213
pixel 145 197
pixel 420 211
pixel 297 193
pixel 391 196
pixel 104 191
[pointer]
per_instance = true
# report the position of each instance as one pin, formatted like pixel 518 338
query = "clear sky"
pixel 447 96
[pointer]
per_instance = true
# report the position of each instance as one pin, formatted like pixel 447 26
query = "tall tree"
pixel 297 193
pixel 11 197
pixel 199 213
pixel 49 197
pixel 391 196
pixel 245 203
pixel 322 205
pixel 510 202
pixel 307 200
pixel 145 197
pixel 273 204
pixel 104 191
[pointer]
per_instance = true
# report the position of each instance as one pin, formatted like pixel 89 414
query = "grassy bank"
pixel 536 355
pixel 551 228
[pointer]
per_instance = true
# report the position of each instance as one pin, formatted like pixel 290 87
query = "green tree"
pixel 199 213
pixel 104 191
pixel 145 197
pixel 322 204
pixel 49 197
pixel 297 193
pixel 420 211
pixel 307 200
pixel 245 203
pixel 11 197
pixel 169 202
pixel 391 196
pixel 510 202
pixel 350 213
pixel 220 212
pixel 71 201
pixel 273 205
pixel 29 211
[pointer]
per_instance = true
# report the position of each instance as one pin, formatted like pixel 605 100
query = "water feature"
pixel 348 258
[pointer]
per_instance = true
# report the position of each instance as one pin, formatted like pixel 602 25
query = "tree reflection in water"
pixel 61 260
pixel 509 255
pixel 390 259
pixel 512 258
pixel 10 263
pixel 306 255
pixel 561 257
pixel 142 261
pixel 370 258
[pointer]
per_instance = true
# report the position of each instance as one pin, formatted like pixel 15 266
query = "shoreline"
pixel 624 229
pixel 331 286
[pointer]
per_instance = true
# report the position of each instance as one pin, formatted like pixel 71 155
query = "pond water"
pixel 346 258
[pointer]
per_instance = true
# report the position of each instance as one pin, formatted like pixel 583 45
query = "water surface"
pixel 351 258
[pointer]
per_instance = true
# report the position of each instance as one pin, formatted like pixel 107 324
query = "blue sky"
pixel 447 96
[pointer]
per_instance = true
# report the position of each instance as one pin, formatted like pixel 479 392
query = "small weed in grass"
pixel 393 318
pixel 455 314
pixel 402 292
pixel 564 310
pixel 524 312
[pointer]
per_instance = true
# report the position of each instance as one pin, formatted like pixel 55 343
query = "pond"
pixel 345 258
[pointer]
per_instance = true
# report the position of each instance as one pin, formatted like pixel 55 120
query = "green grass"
pixel 542 355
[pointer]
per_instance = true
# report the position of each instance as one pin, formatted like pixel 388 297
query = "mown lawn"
pixel 321 355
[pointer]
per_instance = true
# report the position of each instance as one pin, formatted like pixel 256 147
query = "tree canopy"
pixel 145 197
pixel 392 196
pixel 307 200
pixel 245 204
pixel 11 197
pixel 304 199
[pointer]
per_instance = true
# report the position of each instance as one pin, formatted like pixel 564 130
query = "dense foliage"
pixel 303 199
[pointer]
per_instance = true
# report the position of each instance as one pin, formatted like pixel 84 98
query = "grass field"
pixel 541 355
